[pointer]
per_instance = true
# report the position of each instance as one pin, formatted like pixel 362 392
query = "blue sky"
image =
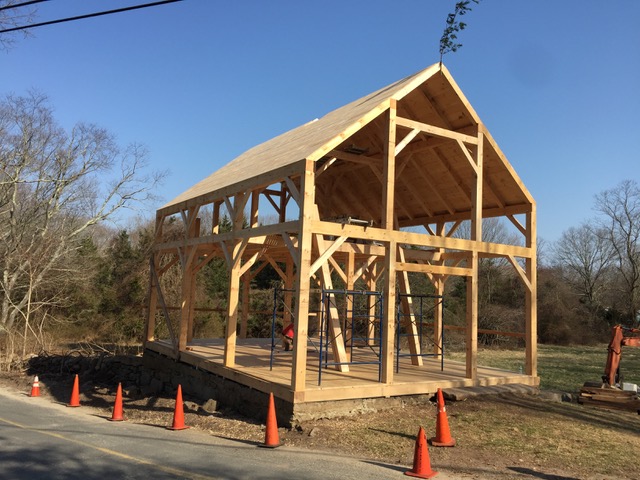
pixel 557 83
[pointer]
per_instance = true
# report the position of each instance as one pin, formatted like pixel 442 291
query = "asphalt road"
pixel 44 440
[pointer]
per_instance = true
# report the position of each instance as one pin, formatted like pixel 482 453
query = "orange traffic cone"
pixel 178 413
pixel 117 408
pixel 271 439
pixel 443 435
pixel 35 389
pixel 421 462
pixel 75 394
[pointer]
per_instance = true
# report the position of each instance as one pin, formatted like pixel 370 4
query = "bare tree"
pixel 584 255
pixel 12 15
pixel 620 222
pixel 55 187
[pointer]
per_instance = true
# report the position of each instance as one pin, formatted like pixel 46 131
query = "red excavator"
pixel 610 393
pixel 620 337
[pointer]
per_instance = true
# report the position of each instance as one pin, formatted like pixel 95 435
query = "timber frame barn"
pixel 369 192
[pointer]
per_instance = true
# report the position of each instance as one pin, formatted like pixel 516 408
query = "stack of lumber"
pixel 609 398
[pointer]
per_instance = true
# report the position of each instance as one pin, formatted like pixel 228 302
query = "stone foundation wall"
pixel 205 385
pixel 157 375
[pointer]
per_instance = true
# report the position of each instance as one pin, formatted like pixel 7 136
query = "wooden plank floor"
pixel 253 369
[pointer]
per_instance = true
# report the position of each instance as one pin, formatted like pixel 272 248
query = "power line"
pixel 23 4
pixel 82 17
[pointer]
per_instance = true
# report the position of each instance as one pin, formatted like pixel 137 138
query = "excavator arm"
pixel 620 337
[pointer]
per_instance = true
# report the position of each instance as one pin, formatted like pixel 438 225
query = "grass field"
pixel 562 368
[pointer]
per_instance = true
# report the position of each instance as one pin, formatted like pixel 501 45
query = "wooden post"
pixel 472 280
pixel 188 276
pixel 254 214
pixel 389 314
pixel 438 317
pixel 283 203
pixel 234 284
pixel 150 326
pixel 389 169
pixel 409 316
pixel 302 283
pixel 195 232
pixel 472 318
pixel 350 272
pixel 438 283
pixel 371 303
pixel 288 294
pixel 531 300
pixel 387 216
pixel 244 319
pixel 215 221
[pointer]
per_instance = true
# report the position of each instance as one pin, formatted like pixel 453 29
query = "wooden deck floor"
pixel 253 369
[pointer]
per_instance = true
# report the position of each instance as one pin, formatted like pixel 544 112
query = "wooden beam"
pixel 472 280
pixel 389 175
pixel 337 269
pixel 244 317
pixel 249 263
pixel 433 269
pixel 165 311
pixel 292 249
pixel 150 324
pixel 406 140
pixel 191 299
pixel 410 318
pixel 517 224
pixel 288 294
pixel 326 254
pixel 325 166
pixel 439 284
pixel 354 158
pixel 349 281
pixel 254 214
pixel 467 155
pixel 261 231
pixel 188 280
pixel 454 228
pixel 276 206
pixel 520 272
pixel 371 303
pixel 215 223
pixel 233 300
pixel 275 266
pixel 436 131
pixel 531 298
pixel 302 281
pixel 364 267
pixel 420 239
pixel 293 190
pixel 389 314
pixel 334 327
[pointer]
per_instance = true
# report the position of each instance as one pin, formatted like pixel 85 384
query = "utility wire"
pixel 89 15
pixel 23 4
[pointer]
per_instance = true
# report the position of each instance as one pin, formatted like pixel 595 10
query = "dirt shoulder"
pixel 498 436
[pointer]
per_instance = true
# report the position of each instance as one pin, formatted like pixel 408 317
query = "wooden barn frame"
pixel 371 191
